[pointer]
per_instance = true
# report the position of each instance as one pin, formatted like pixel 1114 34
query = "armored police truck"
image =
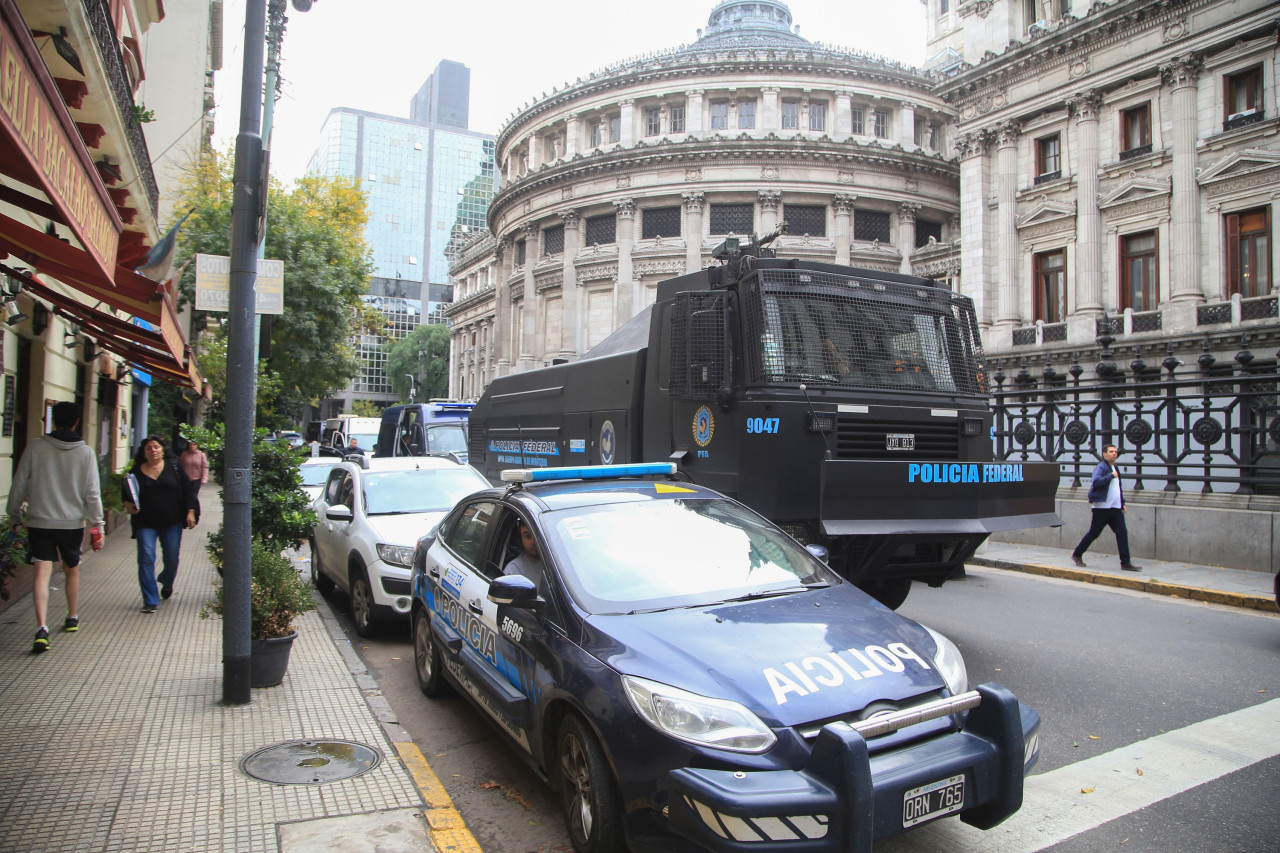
pixel 849 406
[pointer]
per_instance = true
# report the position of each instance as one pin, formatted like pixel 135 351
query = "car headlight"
pixel 949 663
pixel 396 555
pixel 686 716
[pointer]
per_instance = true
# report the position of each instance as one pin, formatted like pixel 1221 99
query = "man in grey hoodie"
pixel 57 478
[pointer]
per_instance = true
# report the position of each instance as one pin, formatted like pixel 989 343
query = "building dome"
pixel 749 22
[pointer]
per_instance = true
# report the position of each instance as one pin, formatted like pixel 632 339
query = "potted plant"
pixel 13 553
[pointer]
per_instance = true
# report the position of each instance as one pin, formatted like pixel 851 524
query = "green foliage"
pixel 139 114
pixel 113 491
pixel 13 552
pixel 366 409
pixel 424 352
pixel 277 594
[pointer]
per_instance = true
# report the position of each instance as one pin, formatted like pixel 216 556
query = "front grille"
pixel 860 718
pixel 862 438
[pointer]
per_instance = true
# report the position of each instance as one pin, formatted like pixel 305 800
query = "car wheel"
pixel 426 657
pixel 891 592
pixel 591 806
pixel 322 582
pixel 363 611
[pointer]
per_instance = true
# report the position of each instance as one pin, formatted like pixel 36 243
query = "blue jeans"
pixel 170 541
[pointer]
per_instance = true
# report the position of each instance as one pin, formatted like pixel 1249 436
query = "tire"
pixel 591 804
pixel 426 657
pixel 322 582
pixel 891 592
pixel 367 615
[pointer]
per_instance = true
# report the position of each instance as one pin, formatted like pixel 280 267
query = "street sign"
pixel 213 285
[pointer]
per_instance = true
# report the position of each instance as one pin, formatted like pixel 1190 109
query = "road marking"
pixel 448 829
pixel 1054 809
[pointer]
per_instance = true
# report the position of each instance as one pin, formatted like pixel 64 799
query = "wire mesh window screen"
pixel 659 222
pixel 926 229
pixel 832 330
pixel 520 253
pixel 553 240
pixel 602 230
pixel 804 219
pixel 871 225
pixel 733 219
pixel 699 355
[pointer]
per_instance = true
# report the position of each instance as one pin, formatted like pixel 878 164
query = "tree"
pixel 423 353
pixel 317 228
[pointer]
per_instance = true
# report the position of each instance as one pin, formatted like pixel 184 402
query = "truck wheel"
pixel 891 592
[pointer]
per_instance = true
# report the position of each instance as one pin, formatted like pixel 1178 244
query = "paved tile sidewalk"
pixel 116 738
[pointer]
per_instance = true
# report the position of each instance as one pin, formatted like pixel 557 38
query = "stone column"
pixel 572 136
pixel 907 125
pixel 842 121
pixel 628 299
pixel 1088 218
pixel 768 210
pixel 975 235
pixel 693 111
pixel 529 305
pixel 627 135
pixel 769 119
pixel 1181 75
pixel 692 230
pixel 535 151
pixel 505 256
pixel 1007 199
pixel 571 326
pixel 907 234
pixel 843 205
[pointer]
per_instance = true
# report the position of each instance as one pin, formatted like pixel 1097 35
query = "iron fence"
pixel 1209 427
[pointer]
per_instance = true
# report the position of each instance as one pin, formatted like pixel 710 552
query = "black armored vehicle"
pixel 848 406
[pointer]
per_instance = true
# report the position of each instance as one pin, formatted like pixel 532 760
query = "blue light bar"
pixel 588 472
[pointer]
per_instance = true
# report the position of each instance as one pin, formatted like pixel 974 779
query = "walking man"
pixel 57 478
pixel 1109 508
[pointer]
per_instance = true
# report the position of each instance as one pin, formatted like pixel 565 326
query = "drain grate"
pixel 310 762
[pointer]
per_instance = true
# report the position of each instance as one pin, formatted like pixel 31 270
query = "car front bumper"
pixel 845 799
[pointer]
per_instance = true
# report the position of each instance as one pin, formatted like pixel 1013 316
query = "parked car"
pixel 690 677
pixel 315 473
pixel 369 515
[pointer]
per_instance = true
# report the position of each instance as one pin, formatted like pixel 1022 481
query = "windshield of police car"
pixel 426 490
pixel 653 555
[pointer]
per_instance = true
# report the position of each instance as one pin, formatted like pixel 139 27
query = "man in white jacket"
pixel 57 478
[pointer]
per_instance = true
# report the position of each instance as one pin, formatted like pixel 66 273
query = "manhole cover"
pixel 310 762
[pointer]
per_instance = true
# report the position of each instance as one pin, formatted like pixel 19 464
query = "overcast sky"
pixel 375 54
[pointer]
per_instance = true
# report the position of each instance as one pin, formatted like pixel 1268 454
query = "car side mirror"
pixel 340 512
pixel 514 591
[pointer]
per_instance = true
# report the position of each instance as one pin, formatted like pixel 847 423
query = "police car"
pixel 690 677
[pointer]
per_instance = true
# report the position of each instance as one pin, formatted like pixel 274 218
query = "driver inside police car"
pixel 529 561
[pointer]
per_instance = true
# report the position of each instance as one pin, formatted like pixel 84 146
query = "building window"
pixel 1138 287
pixel 871 225
pixel 1051 286
pixel 553 240
pixel 615 128
pixel 602 230
pixel 934 131
pixel 926 229
pixel 881 124
pixel 818 115
pixel 859 127
pixel 1135 127
pixel 652 122
pixel 520 250
pixel 804 219
pixel 944 6
pixel 677 119
pixel 790 115
pixel 1048 158
pixel 719 115
pixel 1249 252
pixel 733 219
pixel 597 134
pixel 659 222
pixel 1243 98
pixel 917 132
pixel 746 115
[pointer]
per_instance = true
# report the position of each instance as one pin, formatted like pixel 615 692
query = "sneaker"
pixel 166 592
pixel 148 608
pixel 42 641
pixel 1079 562
pixel 1130 567
pixel 71 625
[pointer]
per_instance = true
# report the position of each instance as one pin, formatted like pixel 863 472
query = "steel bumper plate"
pixel 845 799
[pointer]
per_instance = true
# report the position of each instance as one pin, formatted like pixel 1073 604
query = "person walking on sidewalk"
pixel 196 466
pixel 161 500
pixel 57 478
pixel 1107 500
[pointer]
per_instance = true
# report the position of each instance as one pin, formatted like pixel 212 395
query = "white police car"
pixel 368 517
pixel 690 677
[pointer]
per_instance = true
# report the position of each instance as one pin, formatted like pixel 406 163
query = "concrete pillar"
pixel 627 136
pixel 842 122
pixel 529 304
pixel 843 205
pixel 1007 200
pixel 769 118
pixel 1181 75
pixel 693 111
pixel 907 234
pixel 907 125
pixel 975 227
pixel 505 257
pixel 628 297
pixel 573 136
pixel 692 230
pixel 768 210
pixel 572 333
pixel 535 151
pixel 1088 272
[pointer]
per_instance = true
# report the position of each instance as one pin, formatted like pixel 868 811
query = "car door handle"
pixel 434 571
pixel 475 607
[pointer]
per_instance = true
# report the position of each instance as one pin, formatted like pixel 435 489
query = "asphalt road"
pixel 1112 673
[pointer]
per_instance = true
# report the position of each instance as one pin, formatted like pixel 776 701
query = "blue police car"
pixel 690 677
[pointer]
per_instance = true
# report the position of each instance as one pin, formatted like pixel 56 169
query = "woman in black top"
pixel 164 503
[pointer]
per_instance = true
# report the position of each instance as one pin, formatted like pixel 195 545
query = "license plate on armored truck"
pixel 899 441
pixel 933 800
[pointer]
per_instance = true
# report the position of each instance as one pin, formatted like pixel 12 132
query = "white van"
pixel 338 432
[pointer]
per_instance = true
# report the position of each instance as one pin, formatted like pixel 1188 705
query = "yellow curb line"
pixel 449 833
pixel 1212 596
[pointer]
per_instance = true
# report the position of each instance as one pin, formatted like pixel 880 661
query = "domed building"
pixel 632 174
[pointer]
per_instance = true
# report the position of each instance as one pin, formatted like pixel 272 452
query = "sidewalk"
pixel 1235 587
pixel 116 738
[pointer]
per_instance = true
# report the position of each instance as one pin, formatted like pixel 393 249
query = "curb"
pixel 1155 587
pixel 447 828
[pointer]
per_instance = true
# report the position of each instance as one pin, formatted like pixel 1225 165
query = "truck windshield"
pixel 838 331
